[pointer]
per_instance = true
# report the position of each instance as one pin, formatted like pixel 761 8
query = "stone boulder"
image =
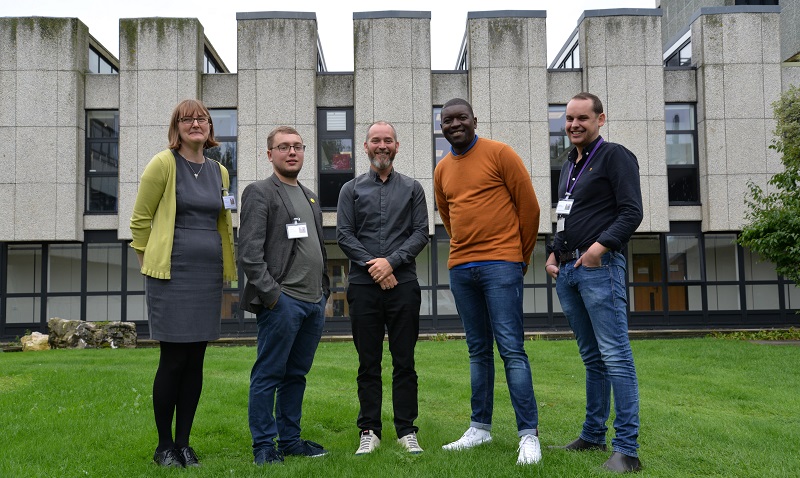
pixel 78 334
pixel 34 341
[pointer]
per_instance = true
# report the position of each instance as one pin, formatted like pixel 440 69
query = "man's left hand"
pixel 379 269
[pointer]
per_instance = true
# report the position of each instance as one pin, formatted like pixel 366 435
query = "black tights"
pixel 176 391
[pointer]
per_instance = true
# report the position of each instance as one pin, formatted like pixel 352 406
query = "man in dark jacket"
pixel 282 253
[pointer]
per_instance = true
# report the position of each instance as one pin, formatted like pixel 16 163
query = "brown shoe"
pixel 622 463
pixel 582 445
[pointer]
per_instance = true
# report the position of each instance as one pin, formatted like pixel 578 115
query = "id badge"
pixel 560 224
pixel 296 229
pixel 229 202
pixel 564 207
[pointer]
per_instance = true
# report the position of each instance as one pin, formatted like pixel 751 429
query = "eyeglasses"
pixel 284 148
pixel 189 120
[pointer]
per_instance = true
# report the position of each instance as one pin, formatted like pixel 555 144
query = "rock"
pixel 77 334
pixel 34 341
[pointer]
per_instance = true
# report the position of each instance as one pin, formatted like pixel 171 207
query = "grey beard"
pixel 380 164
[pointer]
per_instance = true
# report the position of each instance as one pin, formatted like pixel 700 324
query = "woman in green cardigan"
pixel 183 235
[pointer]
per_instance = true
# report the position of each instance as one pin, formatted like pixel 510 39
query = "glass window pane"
pixel 24 269
pixel 337 155
pixel 682 184
pixel 560 147
pixel 137 309
pixel 230 305
pixel 679 117
pixel 792 293
pixel 643 246
pixel 758 268
pixel 67 308
pixel 22 310
pixel 685 298
pixel 64 268
pixel 135 277
pixel 100 308
pixel 536 273
pixel 534 300
pixel 762 297
pixel 336 120
pixel 442 148
pixel 225 153
pixel 680 149
pixel 103 267
pixel 556 303
pixel 442 255
pixel 437 120
pixel 103 156
pixel 557 118
pixel 102 194
pixel 102 124
pixel 94 61
pixel 723 297
pixel 330 185
pixel 424 267
pixel 683 258
pixel 722 262
pixel 426 306
pixel 445 304
pixel 225 122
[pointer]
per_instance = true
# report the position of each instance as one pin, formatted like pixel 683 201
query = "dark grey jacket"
pixel 265 253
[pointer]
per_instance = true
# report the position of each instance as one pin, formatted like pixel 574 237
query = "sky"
pixel 334 20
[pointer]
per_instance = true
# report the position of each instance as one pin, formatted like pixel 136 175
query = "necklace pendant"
pixel 195 175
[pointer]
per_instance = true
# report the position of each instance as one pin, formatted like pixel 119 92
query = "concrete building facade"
pixel 688 91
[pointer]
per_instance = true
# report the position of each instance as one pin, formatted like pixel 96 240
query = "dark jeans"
pixel 374 311
pixel 288 336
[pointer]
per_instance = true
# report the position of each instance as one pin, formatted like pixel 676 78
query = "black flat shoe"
pixel 621 463
pixel 582 445
pixel 188 456
pixel 168 457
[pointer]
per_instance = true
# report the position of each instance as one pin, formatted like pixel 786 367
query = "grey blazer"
pixel 265 253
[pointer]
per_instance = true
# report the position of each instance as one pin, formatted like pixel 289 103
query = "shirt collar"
pixel 573 155
pixel 373 175
pixel 474 140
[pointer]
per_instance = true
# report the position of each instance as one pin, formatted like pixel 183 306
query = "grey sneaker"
pixel 472 437
pixel 409 442
pixel 368 443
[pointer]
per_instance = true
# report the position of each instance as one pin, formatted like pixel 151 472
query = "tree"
pixel 774 217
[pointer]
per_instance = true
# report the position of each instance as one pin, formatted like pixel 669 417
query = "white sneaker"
pixel 409 442
pixel 529 450
pixel 472 437
pixel 369 442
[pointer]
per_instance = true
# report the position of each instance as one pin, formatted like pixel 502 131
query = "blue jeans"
pixel 489 302
pixel 288 336
pixel 595 303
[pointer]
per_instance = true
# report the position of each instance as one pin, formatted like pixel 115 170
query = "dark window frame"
pixel 329 179
pixel 690 171
pixel 90 174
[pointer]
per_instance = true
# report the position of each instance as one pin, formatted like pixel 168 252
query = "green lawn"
pixel 710 407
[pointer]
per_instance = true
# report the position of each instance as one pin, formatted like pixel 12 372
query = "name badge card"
pixel 564 206
pixel 229 202
pixel 560 224
pixel 296 229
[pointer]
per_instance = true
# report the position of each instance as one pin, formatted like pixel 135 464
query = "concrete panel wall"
pixel 738 77
pixel 621 60
pixel 392 82
pixel 508 88
pixel 276 75
pixel 160 65
pixel 43 63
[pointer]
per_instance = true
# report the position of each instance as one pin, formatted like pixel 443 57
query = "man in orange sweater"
pixel 487 204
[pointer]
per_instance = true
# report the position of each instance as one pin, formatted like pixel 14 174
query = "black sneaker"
pixel 169 458
pixel 188 456
pixel 267 456
pixel 306 448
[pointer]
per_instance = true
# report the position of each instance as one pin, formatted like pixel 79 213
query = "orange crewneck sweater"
pixel 487 204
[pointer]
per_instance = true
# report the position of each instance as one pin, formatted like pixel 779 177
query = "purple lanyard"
pixel 572 167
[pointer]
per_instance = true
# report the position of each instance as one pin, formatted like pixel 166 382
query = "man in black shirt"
pixel 599 208
pixel 382 225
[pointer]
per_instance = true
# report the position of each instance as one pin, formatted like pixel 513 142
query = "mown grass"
pixel 709 408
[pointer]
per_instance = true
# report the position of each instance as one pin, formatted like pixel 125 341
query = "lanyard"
pixel 572 167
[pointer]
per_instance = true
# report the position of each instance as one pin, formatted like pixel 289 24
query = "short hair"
pixel 597 105
pixel 394 130
pixel 189 108
pixel 282 130
pixel 459 101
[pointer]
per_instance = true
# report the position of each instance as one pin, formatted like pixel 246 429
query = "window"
pixel 98 64
pixel 102 161
pixel 336 158
pixel 560 146
pixel 209 64
pixel 225 132
pixel 572 60
pixel 440 145
pixel 682 175
pixel 682 56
